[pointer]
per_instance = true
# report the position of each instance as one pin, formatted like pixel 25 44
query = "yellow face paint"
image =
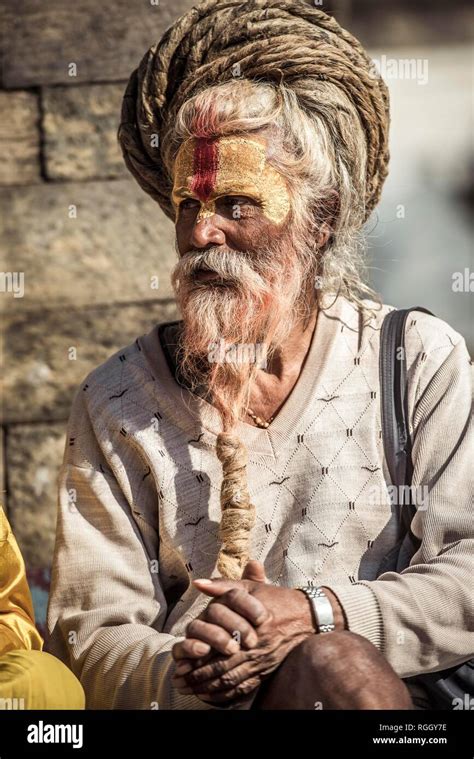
pixel 209 168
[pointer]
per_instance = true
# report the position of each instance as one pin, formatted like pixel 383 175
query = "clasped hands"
pixel 241 637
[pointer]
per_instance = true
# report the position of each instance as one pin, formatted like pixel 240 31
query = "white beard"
pixel 259 303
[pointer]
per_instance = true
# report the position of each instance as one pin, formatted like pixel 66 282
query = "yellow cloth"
pixel 38 680
pixel 30 678
pixel 17 625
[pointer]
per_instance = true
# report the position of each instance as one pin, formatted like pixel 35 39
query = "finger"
pixel 187 665
pixel 235 624
pixel 190 649
pixel 245 604
pixel 182 666
pixel 255 571
pixel 214 635
pixel 209 678
pixel 210 670
pixel 219 691
pixel 216 587
pixel 236 695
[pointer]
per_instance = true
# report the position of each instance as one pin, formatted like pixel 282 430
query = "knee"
pixel 331 652
pixel 349 669
pixel 344 658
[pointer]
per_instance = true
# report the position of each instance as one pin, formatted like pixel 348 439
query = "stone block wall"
pixel 95 251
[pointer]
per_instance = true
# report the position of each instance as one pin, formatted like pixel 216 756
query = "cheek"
pixel 182 231
pixel 244 234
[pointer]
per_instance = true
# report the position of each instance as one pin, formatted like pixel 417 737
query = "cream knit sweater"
pixel 139 507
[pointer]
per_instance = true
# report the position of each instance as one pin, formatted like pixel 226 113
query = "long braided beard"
pixel 256 301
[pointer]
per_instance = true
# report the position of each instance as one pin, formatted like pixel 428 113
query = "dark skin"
pixel 269 621
pixel 340 670
pixel 251 230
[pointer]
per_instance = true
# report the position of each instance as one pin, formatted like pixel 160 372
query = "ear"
pixel 329 213
pixel 323 235
pixel 254 570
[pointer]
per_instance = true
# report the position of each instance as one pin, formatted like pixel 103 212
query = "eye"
pixel 239 200
pixel 189 203
pixel 237 206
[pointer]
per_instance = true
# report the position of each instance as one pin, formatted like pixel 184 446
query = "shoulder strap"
pixel 393 385
pixel 168 334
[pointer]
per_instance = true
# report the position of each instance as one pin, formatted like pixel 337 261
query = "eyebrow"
pixel 183 192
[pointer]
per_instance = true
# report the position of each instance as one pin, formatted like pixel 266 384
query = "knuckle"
pixel 187 651
pixel 214 613
pixel 219 637
pixel 230 678
pixel 217 668
pixel 222 638
pixel 201 676
pixel 234 594
pixel 248 636
pixel 243 688
pixel 191 628
pixel 192 648
pixel 214 686
pixel 265 621
pixel 192 678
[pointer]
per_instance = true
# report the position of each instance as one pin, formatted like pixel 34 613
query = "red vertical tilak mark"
pixel 204 167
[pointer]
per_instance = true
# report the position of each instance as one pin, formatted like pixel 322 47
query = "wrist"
pixel 332 611
pixel 306 614
pixel 340 621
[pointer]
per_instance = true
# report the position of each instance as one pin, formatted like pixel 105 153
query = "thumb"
pixel 255 571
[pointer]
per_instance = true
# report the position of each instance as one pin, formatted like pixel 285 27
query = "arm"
pixel 422 617
pixel 107 607
pixel 17 624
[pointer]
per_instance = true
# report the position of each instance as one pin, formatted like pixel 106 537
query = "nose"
pixel 207 232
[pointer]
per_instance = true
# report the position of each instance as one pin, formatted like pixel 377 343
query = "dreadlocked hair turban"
pixel 279 41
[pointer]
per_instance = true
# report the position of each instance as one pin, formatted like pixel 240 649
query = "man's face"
pixel 239 275
pixel 225 193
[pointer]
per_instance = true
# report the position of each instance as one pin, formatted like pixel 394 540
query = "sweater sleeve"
pixel 107 607
pixel 422 618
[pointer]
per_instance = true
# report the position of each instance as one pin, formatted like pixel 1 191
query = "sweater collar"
pixel 192 412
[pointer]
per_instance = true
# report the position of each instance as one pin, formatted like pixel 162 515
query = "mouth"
pixel 207 275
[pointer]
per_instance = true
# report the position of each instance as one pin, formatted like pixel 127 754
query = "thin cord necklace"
pixel 258 420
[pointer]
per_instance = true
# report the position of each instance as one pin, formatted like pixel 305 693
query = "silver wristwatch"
pixel 322 609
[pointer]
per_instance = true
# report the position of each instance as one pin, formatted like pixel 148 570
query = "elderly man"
pixel 224 518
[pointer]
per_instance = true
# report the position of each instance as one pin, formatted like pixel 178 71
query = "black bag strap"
pixel 394 407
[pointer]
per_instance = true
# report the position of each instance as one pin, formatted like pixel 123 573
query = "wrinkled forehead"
pixel 206 168
pixel 209 166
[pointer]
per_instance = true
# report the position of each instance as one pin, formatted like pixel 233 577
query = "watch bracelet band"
pixel 322 609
